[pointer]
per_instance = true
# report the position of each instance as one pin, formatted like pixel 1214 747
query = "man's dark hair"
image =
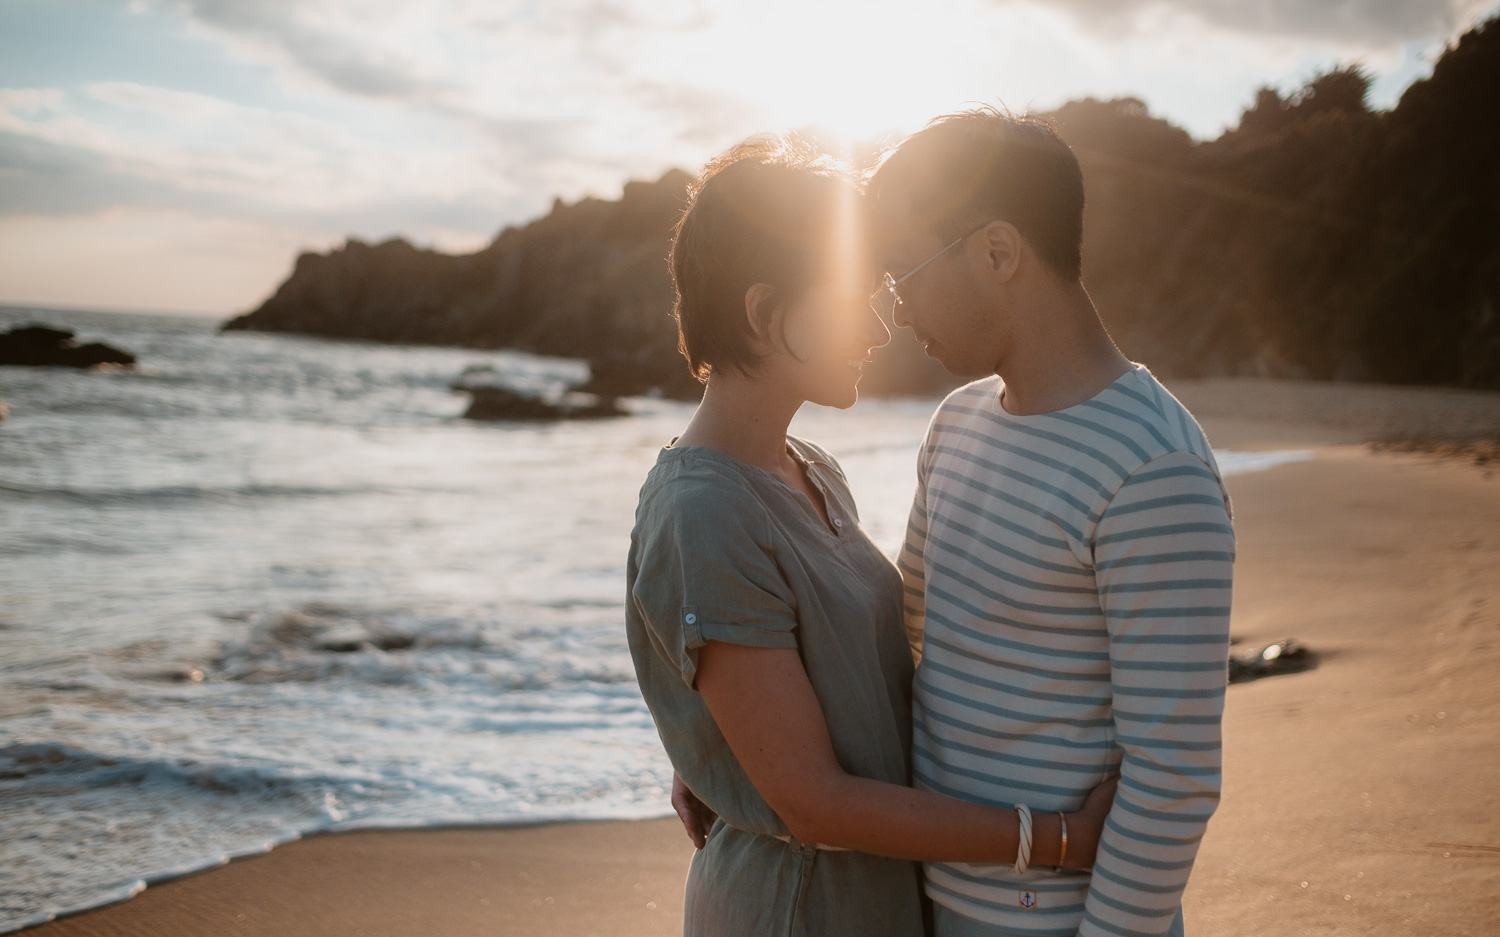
pixel 766 211
pixel 966 169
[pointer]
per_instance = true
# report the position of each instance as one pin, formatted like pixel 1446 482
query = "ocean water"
pixel 269 585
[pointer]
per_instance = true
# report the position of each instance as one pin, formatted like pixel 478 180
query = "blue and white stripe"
pixel 1068 580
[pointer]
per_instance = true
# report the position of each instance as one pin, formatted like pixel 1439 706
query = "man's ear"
pixel 760 309
pixel 1002 244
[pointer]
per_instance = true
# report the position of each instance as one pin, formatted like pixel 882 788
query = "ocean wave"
pixel 165 495
pixel 320 642
pixel 417 631
pixel 54 541
pixel 202 815
pixel 37 767
pixel 132 821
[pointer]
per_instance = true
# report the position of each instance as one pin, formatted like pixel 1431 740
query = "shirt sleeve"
pixel 708 572
pixel 1163 560
pixel 910 562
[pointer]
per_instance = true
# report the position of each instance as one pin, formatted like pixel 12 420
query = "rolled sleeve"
pixel 708 572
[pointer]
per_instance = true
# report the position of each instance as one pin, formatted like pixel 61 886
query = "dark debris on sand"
pixel 1287 656
pixel 1484 453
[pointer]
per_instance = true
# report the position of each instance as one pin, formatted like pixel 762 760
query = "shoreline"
pixel 1381 561
pixel 129 890
pixel 574 877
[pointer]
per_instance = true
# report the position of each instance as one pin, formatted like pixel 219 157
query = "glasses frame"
pixel 891 284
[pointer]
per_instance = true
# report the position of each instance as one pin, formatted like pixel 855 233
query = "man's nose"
pixel 899 316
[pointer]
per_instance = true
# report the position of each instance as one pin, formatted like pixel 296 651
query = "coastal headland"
pixel 1357 794
pixel 1316 239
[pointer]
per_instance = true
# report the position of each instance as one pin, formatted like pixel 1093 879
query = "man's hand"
pixel 696 816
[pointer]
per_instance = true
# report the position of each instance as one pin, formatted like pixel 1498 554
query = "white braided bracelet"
pixel 1023 848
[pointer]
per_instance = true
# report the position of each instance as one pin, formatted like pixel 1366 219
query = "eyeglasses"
pixel 887 298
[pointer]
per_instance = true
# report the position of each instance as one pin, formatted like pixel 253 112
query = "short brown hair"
pixel 975 166
pixel 765 211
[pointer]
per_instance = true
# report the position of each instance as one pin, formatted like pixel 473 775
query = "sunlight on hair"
pixel 850 266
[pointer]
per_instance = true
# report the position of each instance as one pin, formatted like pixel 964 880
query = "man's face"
pixel 947 304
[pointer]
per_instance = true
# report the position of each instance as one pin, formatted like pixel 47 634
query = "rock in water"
pixel 41 345
pixel 499 403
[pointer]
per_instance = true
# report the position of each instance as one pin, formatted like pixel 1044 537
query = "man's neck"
pixel 1059 355
pixel 744 418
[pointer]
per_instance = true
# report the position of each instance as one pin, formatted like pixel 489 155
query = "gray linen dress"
pixel 725 551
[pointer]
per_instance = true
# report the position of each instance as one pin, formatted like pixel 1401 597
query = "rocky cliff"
pixel 1316 239
pixel 588 280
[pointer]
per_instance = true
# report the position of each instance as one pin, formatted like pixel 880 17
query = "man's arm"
pixel 1163 561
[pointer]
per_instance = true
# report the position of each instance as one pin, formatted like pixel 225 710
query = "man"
pixel 1069 558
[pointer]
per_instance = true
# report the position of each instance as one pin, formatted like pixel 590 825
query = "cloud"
pixel 707 117
pixel 559 86
pixel 348 59
pixel 195 143
pixel 448 54
pixel 300 121
pixel 40 178
pixel 119 144
pixel 1351 21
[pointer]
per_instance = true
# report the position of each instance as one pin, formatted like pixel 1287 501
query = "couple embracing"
pixel 1014 729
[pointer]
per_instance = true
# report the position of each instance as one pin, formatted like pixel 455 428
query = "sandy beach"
pixel 1359 798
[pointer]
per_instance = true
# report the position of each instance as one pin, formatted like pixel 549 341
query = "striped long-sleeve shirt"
pixel 1068 581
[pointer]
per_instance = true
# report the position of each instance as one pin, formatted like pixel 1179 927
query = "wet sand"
pixel 570 880
pixel 1360 796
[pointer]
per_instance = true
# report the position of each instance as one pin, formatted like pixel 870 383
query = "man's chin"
pixel 957 367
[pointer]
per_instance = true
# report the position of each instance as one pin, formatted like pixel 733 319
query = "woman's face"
pixel 829 331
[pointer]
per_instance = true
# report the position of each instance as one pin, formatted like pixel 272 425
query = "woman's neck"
pixel 744 417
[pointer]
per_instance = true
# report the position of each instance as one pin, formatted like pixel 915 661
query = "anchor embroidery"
pixel 1028 900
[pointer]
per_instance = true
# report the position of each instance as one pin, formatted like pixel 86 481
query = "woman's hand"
pixel 1087 824
pixel 696 816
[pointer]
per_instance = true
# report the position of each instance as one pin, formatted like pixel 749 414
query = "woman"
pixel 765 626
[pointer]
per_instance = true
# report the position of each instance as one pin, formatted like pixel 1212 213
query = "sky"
pixel 176 155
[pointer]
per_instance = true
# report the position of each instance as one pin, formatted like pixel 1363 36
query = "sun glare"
pixel 853 70
pixel 849 254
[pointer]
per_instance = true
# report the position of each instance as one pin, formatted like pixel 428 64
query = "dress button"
pixel 838 522
pixel 691 619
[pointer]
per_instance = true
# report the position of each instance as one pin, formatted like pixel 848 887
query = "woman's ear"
pixel 760 309
pixel 1002 244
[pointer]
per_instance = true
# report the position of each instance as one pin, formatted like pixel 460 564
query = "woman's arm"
pixel 764 704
